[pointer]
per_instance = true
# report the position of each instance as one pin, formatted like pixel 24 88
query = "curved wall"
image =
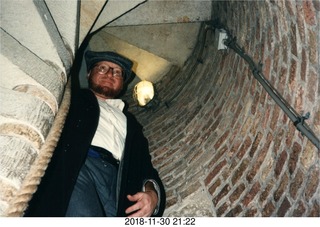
pixel 222 146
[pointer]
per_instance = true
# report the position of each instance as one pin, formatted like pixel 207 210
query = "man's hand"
pixel 145 202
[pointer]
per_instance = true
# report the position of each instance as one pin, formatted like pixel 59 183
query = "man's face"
pixel 106 79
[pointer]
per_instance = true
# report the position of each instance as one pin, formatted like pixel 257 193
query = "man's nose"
pixel 109 72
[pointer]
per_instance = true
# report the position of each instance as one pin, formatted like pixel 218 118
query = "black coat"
pixel 53 194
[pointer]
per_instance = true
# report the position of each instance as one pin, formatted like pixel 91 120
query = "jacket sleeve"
pixel 158 190
pixel 136 168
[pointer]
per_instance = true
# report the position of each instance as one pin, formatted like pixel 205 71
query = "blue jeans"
pixel 94 194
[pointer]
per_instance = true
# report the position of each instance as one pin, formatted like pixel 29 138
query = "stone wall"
pixel 39 40
pixel 36 58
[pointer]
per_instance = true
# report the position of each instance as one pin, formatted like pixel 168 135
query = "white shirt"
pixel 112 131
pixel 112 127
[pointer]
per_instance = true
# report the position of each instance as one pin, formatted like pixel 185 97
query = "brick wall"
pixel 223 136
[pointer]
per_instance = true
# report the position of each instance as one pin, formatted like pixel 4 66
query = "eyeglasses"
pixel 104 69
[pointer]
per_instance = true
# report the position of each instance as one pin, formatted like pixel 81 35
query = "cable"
pixel 298 121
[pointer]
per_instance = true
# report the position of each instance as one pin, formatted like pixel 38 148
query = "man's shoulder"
pixel 83 98
pixel 84 94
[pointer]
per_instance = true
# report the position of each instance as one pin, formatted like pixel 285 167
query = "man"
pixel 102 165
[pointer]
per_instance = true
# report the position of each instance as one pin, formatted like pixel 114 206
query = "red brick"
pixel 282 80
pixel 217 155
pixel 284 207
pixel 300 23
pixel 260 158
pixel 257 29
pixel 312 86
pixel 242 82
pixel 268 209
pixel 193 157
pixel 291 134
pixel 277 141
pixel 222 209
pixel 312 184
pixel 282 188
pixel 255 103
pixel 237 193
pixel 296 184
pixel 239 171
pixel 215 171
pixel 299 100
pixel 221 140
pixel 251 194
pixel 235 147
pixel 224 191
pixel 237 113
pixel 313 47
pixel 170 193
pixel 171 201
pixel 293 40
pixel 280 163
pixel 255 144
pixel 290 8
pixel 315 211
pixel 167 154
pixel 299 210
pixel 256 124
pixel 276 27
pixel 276 59
pixel 294 157
pixel 263 97
pixel 251 212
pixel 292 76
pixel 317 117
pixel 285 57
pixel 270 40
pixel 266 192
pixel 213 187
pixel 253 86
pixel 309 12
pixel 244 148
pixel 275 116
pixel 234 212
pixel 217 111
pixel 304 64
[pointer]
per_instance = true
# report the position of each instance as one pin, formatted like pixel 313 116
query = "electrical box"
pixel 222 36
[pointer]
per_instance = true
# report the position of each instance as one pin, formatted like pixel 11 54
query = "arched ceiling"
pixel 156 35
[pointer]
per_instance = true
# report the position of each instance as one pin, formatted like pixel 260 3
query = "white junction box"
pixel 221 36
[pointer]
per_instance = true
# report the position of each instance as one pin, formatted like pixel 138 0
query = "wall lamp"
pixel 145 95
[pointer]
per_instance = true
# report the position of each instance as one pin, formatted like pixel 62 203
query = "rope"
pixel 19 202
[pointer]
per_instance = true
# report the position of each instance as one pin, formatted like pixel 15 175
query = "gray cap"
pixel 93 57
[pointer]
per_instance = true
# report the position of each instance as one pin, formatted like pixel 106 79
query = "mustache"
pixel 104 90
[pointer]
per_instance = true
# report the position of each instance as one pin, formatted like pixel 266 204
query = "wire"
pixel 298 121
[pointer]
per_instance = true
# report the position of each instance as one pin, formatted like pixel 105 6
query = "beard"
pixel 103 90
